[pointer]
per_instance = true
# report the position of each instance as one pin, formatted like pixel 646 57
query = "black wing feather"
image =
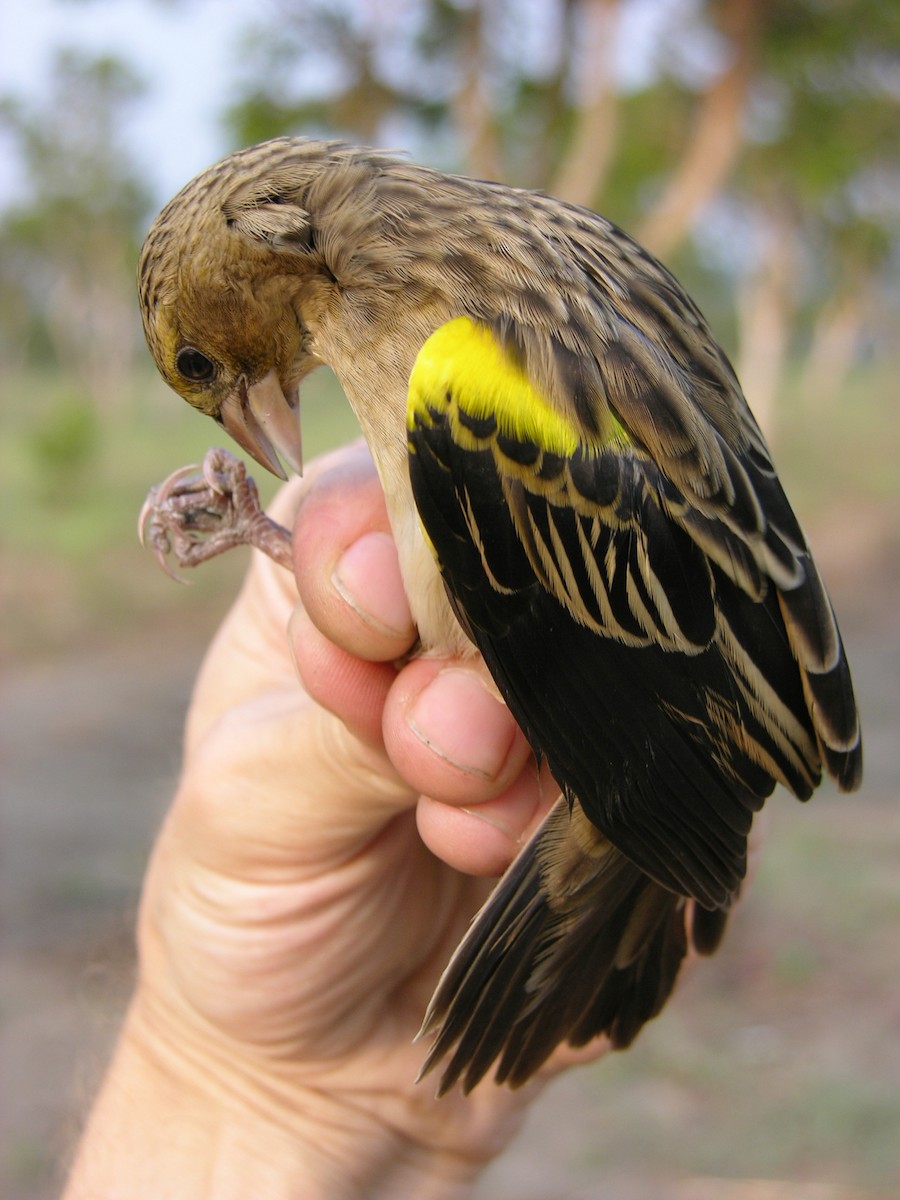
pixel 671 659
pixel 625 729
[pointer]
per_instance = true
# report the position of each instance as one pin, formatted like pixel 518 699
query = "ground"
pixel 773 1075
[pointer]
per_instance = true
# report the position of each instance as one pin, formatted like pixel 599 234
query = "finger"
pixel 483 839
pixel 351 688
pixel 480 839
pixel 449 735
pixel 249 653
pixel 565 1057
pixel 346 563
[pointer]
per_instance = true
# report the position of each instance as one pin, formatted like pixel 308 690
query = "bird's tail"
pixel 575 941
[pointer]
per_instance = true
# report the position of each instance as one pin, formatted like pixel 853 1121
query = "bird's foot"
pixel 199 512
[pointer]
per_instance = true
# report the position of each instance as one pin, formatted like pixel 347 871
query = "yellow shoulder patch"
pixel 462 368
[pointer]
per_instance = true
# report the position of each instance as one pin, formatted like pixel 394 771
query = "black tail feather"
pixel 574 942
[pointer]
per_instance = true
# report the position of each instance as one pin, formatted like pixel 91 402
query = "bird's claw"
pixel 201 511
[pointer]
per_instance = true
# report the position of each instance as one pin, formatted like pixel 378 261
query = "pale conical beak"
pixel 264 420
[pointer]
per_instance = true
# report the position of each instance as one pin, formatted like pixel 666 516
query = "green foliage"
pixel 65 443
pixel 657 121
pixel 825 142
pixel 343 68
pixel 71 144
pixel 833 92
pixel 339 68
pixel 69 242
pixel 72 484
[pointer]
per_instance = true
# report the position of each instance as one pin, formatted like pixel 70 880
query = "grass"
pixel 68 508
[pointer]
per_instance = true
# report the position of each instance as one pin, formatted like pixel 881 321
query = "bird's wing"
pixel 644 354
pixel 637 634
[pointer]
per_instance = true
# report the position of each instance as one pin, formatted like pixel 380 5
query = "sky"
pixel 184 50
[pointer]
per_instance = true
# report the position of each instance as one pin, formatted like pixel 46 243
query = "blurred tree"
pixel 68 244
pixel 776 121
pixel 819 188
pixel 524 90
pixel 715 134
pixel 751 142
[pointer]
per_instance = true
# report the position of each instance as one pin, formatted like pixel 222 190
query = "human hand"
pixel 306 889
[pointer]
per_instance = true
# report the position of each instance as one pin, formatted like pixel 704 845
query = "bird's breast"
pixel 439 630
pixel 384 427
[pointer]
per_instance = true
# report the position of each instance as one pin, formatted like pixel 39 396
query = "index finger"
pixel 346 563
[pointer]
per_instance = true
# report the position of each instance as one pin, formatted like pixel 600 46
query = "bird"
pixel 578 492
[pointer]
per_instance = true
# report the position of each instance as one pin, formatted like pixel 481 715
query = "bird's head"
pixel 231 278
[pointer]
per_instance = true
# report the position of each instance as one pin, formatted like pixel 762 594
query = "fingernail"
pixel 494 821
pixel 463 723
pixel 367 576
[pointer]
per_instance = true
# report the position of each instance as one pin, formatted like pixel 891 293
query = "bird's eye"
pixel 194 366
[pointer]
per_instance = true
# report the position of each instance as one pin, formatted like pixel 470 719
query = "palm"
pixel 291 898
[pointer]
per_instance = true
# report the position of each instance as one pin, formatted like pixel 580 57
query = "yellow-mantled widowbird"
pixel 577 489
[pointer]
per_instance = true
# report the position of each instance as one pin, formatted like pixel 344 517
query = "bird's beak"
pixel 264 420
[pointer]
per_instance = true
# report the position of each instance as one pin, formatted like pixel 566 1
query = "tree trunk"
pixel 765 306
pixel 584 168
pixel 835 341
pixel 717 136
pixel 471 107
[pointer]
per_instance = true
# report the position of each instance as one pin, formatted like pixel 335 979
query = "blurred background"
pixel 754 145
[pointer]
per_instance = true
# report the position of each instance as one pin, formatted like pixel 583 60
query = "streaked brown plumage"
pixel 603 522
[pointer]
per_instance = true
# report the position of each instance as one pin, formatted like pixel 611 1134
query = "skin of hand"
pixel 326 848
